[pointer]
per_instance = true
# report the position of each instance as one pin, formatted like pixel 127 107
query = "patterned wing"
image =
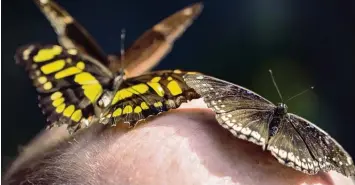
pixel 149 49
pixel 244 113
pixel 302 145
pixel 68 84
pixel 70 33
pixel 148 95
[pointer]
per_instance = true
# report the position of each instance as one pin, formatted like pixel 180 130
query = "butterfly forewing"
pixel 324 149
pixel 149 94
pixel 294 141
pixel 149 49
pixel 244 113
pixel 68 85
pixel 223 96
pixel 70 33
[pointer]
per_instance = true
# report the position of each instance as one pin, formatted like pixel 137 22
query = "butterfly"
pixel 144 54
pixel 291 139
pixel 78 91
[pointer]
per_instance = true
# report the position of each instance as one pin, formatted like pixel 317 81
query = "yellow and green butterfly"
pixel 78 84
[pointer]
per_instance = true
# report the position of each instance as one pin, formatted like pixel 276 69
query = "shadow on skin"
pixel 184 146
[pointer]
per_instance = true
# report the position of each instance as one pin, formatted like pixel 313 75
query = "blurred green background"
pixel 305 43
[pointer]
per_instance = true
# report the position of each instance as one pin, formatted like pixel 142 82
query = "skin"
pixel 183 146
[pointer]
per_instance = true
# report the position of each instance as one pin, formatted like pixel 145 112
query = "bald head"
pixel 185 146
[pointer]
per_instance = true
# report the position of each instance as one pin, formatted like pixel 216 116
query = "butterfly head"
pixel 281 109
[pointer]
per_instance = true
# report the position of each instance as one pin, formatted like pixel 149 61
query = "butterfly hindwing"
pixel 68 85
pixel 148 95
pixel 70 33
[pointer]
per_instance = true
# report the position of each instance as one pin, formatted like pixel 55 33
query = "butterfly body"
pixel 75 90
pixel 292 140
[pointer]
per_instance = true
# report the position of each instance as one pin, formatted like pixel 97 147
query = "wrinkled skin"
pixel 184 146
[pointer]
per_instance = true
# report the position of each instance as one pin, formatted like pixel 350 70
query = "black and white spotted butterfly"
pixel 292 140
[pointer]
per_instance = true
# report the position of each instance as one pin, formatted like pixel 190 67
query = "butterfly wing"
pixel 149 49
pixel 70 33
pixel 304 146
pixel 148 95
pixel 244 113
pixel 68 84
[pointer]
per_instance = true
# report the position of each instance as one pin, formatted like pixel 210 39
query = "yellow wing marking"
pixel 58 102
pixel 67 72
pixel 129 91
pixel 156 79
pixel 174 88
pixel 154 84
pixel 70 71
pixel 158 104
pixel 137 109
pixel 60 108
pixel 53 66
pixel 48 85
pixel 69 111
pixel 76 115
pixel 127 109
pixel 80 65
pixel 92 87
pixel 47 54
pixel 144 106
pixel 117 112
pixel 56 95
pixel 42 79
pixel 72 51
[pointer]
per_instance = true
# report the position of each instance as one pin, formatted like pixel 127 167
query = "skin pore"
pixel 184 146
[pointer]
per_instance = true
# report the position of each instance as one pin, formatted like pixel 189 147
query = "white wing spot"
pixel 199 77
pixel 246 131
pixel 283 153
pixel 237 127
pixel 350 161
pixel 233 132
pixel 290 156
pixel 230 124
pixel 224 118
pixel 255 135
pixel 298 162
pixel 242 137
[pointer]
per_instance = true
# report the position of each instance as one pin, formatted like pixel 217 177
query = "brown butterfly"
pixel 146 52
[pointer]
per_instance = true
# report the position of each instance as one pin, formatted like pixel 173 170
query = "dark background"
pixel 306 43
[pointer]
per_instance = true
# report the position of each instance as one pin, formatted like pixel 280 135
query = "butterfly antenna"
pixel 311 88
pixel 277 88
pixel 122 51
